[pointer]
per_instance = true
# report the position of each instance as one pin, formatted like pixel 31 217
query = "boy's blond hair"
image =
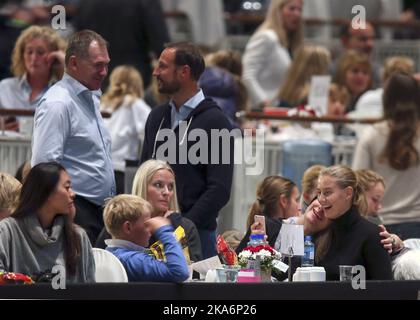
pixel 9 191
pixel 122 208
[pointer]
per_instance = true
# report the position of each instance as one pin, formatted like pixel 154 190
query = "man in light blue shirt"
pixel 69 129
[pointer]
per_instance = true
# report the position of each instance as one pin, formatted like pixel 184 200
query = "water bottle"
pixel 254 241
pixel 309 253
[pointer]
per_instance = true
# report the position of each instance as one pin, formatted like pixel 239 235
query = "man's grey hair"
pixel 79 42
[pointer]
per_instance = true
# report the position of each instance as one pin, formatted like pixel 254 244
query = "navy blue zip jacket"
pixel 203 189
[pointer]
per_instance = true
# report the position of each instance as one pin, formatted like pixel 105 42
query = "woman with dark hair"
pixel 40 234
pixel 391 148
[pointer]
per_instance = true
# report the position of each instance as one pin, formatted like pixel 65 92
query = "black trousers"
pixel 120 181
pixel 89 217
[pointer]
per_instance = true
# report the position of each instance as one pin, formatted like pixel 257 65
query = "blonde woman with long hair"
pixel 310 60
pixel 354 240
pixel 269 52
pixel 129 112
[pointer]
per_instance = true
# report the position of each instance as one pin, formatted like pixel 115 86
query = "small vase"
pixel 266 275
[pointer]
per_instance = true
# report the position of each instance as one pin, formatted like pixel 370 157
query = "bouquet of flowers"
pixel 226 254
pixel 266 253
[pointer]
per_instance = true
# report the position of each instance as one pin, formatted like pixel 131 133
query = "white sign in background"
pixel 318 95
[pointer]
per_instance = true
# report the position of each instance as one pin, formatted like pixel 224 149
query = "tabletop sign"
pixel 291 239
pixel 318 95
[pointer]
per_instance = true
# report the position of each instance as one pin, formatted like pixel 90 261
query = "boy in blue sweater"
pixel 127 219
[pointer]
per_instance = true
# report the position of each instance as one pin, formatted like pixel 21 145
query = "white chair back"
pixel 108 267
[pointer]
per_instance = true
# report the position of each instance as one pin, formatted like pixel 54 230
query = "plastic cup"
pixel 345 273
pixel 221 275
pixel 231 274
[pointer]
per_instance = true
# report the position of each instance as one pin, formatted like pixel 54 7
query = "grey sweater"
pixel 26 248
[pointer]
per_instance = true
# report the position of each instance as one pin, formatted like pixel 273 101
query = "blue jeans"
pixel 405 230
pixel 208 243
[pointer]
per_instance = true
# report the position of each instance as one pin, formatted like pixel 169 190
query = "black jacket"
pixel 356 241
pixel 203 189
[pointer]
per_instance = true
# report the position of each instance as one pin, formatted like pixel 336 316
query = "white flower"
pixel 264 253
pixel 245 254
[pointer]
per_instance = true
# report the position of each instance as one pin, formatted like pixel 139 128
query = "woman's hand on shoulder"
pixel 391 242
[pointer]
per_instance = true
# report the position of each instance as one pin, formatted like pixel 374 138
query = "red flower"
pixel 259 248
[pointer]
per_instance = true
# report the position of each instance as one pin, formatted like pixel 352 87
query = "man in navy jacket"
pixel 193 135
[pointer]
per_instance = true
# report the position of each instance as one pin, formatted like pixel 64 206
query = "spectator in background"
pixel 222 81
pixel 13 20
pixel 69 128
pixel 269 52
pixel 410 14
pixel 354 72
pixel 9 194
pixel 41 234
pixel 362 40
pixel 124 100
pixel 140 30
pixel 309 61
pixel 309 186
pixel 37 62
pixel 391 148
pixel 127 219
pixel 229 60
pixel 338 100
pixel 370 103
